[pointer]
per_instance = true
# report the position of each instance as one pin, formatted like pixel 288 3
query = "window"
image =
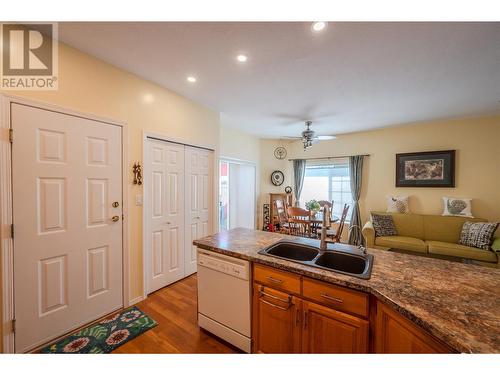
pixel 328 180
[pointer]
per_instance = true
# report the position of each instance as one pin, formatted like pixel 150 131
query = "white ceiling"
pixel 351 77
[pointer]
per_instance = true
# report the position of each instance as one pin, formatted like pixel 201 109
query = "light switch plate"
pixel 138 200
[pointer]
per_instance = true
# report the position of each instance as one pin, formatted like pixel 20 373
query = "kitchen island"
pixel 458 304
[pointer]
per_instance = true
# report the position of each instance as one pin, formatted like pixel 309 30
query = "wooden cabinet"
pixel 396 334
pixel 277 279
pixel 276 321
pixel 285 323
pixel 329 331
pixel 337 297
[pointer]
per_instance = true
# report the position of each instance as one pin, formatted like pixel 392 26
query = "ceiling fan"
pixel 309 136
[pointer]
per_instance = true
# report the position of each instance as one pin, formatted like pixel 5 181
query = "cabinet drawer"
pixel 276 279
pixel 340 298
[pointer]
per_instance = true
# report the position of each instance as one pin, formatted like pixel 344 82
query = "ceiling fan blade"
pixel 286 136
pixel 315 140
pixel 326 137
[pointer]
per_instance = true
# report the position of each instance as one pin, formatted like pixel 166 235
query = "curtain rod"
pixel 328 157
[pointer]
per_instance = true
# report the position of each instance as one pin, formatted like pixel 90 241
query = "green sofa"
pixel 433 235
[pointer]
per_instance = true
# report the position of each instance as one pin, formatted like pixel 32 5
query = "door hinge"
pixel 12 231
pixel 14 325
pixel 11 135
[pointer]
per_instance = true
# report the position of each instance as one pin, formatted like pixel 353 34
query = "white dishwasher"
pixel 224 296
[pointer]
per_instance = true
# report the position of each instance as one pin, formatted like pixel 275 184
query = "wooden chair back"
pixel 299 221
pixel 281 212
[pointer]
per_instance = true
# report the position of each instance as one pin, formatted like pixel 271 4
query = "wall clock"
pixel 280 153
pixel 277 178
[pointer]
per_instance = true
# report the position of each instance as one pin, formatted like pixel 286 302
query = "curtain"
pixel 299 171
pixel 355 173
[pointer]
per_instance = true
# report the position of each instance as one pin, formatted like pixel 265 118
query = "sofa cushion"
pixel 456 250
pixel 383 225
pixel 478 235
pixel 407 225
pixel 444 228
pixel 402 242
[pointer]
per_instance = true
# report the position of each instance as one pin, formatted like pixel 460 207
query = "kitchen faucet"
pixel 322 244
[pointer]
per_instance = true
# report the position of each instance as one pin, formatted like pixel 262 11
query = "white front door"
pixel 67 214
pixel 164 191
pixel 199 200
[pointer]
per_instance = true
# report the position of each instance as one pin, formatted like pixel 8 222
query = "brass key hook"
pixel 137 169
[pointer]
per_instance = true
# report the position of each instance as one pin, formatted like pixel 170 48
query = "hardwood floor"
pixel 174 308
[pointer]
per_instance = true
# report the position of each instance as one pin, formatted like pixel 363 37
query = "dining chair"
pixel 334 235
pixel 281 210
pixel 299 221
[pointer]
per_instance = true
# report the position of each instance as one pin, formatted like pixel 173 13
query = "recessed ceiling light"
pixel 318 26
pixel 242 58
pixel 191 79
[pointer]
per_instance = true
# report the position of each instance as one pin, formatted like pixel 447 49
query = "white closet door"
pixel 67 248
pixel 165 207
pixel 199 201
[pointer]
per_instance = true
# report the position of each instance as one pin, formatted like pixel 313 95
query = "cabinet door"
pixel 396 334
pixel 329 331
pixel 276 321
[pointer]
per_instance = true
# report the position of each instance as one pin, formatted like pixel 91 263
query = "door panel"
pixel 330 331
pixel 68 252
pixel 198 222
pixel 164 197
pixel 276 321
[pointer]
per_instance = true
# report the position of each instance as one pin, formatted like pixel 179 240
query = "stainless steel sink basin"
pixel 293 251
pixel 343 259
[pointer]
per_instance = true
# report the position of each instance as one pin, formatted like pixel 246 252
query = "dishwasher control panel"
pixel 225 264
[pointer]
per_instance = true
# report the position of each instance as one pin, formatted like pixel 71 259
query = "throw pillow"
pixel 457 207
pixel 397 204
pixel 478 235
pixel 383 225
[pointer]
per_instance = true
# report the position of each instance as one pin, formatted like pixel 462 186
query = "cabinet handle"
pixel 273 280
pixel 262 293
pixel 326 296
pixel 305 319
pixel 297 317
pixel 273 305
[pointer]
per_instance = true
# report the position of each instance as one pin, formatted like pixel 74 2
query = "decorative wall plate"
pixel 288 190
pixel 277 178
pixel 280 153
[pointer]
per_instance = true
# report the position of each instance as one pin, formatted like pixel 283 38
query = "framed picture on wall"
pixel 426 169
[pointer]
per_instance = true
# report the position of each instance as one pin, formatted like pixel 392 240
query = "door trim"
pixel 6 242
pixel 145 210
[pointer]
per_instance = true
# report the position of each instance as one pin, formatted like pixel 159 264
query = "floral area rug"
pixel 106 335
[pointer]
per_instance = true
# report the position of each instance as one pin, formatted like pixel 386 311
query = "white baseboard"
pixel 133 301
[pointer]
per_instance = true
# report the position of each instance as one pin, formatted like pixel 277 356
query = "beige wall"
pixel 236 144
pixel 93 86
pixel 477 141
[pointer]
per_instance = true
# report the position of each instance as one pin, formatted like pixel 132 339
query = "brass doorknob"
pixel 115 218
pixel 115 204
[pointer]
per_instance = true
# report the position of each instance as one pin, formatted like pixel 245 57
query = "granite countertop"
pixel 456 303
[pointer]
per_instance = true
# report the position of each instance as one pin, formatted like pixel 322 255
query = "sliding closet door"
pixel 199 199
pixel 164 192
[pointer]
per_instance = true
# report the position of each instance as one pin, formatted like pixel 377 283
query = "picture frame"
pixel 426 169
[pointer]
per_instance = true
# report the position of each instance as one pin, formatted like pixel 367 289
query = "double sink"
pixel 348 263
